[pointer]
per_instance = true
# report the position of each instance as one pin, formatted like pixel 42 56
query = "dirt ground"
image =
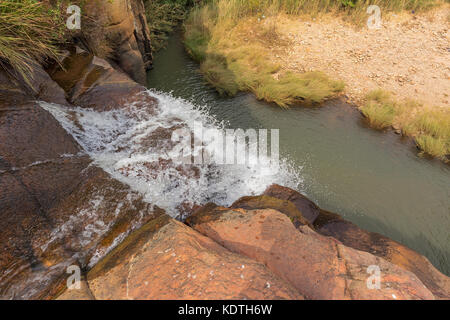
pixel 409 55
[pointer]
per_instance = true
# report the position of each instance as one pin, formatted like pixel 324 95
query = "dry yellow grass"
pixel 29 31
pixel 234 56
pixel 430 127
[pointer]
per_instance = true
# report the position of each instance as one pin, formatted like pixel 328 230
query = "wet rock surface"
pixel 15 91
pixel 56 207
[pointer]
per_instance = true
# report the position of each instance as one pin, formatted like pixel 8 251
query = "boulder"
pixel 331 224
pixel 124 31
pixel 15 90
pixel 91 82
pixel 267 202
pixel 165 259
pixel 319 267
pixel 308 208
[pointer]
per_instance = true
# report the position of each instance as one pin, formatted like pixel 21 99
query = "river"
pixel 371 178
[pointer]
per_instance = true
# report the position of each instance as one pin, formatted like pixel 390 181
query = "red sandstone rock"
pixel 308 208
pixel 319 267
pixel 168 260
pixel 81 293
pixel 118 30
pixel 331 224
pixel 56 209
pixel 91 82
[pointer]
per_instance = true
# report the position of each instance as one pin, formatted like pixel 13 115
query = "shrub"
pixel 163 16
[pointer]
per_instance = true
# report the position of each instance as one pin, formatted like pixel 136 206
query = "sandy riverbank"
pixel 409 55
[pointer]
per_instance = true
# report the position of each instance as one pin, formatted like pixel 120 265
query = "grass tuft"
pixel 292 88
pixel 429 126
pixel 28 33
pixel 379 109
pixel 436 147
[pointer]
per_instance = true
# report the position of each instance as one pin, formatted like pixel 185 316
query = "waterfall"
pixel 134 145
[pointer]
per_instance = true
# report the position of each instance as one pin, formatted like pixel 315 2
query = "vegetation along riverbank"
pixel 303 52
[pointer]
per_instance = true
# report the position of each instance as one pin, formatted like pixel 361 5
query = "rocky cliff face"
pixel 118 30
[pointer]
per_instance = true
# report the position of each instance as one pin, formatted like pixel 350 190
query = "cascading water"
pixel 134 146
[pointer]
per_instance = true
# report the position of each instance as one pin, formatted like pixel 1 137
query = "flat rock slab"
pixel 319 267
pixel 168 260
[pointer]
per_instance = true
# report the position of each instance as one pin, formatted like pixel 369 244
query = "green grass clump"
pixel 197 44
pixel 434 122
pixel 379 109
pixel 29 31
pixel 430 127
pixel 198 28
pixel 216 72
pixel 436 147
pixel 294 88
pixel 432 130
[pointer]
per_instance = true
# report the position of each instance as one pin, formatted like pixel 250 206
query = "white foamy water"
pixel 134 146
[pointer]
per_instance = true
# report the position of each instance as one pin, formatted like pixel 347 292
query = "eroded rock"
pixel 319 267
pixel 56 208
pixel 91 82
pixel 168 260
pixel 126 33
pixel 331 224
